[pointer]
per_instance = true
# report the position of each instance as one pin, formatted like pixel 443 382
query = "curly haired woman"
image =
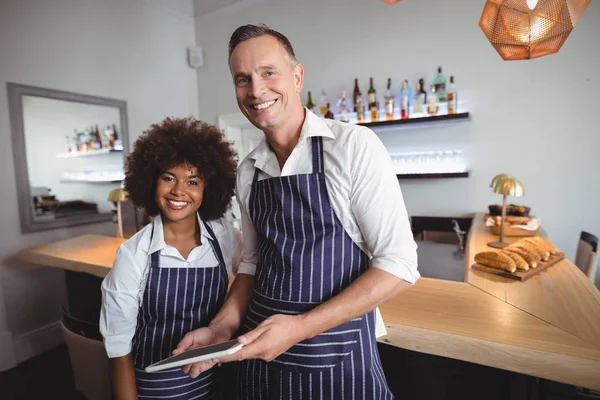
pixel 172 276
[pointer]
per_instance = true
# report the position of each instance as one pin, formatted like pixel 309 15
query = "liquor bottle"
pixel 343 107
pixel 432 108
pixel 375 112
pixel 328 113
pixel 404 100
pixel 419 99
pixel 372 95
pixel 389 101
pixel 452 97
pixel 323 105
pixel 309 104
pixel 423 91
pixel 440 85
pixel 359 106
pixel 356 96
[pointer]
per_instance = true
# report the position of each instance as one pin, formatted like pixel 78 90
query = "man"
pixel 326 240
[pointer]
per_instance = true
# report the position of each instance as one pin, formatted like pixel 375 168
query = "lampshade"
pixel 509 186
pixel 525 29
pixel 117 195
pixel 498 178
pixel 391 1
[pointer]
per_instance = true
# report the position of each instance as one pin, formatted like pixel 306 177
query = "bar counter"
pixel 547 326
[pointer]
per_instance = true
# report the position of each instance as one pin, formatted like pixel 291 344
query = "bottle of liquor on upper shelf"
pixel 309 104
pixel 356 96
pixel 375 112
pixel 343 107
pixel 423 90
pixel 452 97
pixel 359 106
pixel 328 113
pixel 372 95
pixel 404 96
pixel 389 101
pixel 323 104
pixel 432 108
pixel 419 99
pixel 440 85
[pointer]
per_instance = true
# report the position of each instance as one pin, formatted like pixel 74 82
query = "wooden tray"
pixel 519 274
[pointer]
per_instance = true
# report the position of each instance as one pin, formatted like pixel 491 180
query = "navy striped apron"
pixel 176 301
pixel 305 258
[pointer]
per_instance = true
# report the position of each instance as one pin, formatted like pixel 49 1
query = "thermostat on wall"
pixel 195 57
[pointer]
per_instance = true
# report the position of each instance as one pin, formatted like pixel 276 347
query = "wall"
pixel 124 49
pixel 535 119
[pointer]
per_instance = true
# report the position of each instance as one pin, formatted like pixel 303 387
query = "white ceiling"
pixel 202 7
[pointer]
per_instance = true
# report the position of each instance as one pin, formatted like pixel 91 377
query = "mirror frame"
pixel 15 107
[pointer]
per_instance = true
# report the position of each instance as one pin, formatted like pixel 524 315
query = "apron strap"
pixel 214 243
pixel 317 154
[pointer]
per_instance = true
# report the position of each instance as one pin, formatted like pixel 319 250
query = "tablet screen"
pixel 201 351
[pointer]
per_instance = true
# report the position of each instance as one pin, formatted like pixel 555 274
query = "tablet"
pixel 198 354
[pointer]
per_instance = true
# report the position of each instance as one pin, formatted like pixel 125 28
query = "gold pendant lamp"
pixel 525 29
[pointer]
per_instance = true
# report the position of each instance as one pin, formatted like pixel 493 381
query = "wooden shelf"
pixel 417 120
pixel 73 154
pixel 442 175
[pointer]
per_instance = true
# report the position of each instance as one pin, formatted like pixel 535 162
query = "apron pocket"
pixel 325 350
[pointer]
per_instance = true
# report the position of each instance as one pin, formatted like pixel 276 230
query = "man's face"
pixel 267 85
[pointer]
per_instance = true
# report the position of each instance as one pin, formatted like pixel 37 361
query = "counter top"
pixel 547 326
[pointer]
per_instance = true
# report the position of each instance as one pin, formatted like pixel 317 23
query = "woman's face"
pixel 179 193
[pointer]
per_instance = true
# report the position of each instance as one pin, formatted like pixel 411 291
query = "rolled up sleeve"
pixel 249 248
pixel 118 316
pixel 378 206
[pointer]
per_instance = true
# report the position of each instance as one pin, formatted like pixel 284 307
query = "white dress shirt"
pixel 362 187
pixel 123 288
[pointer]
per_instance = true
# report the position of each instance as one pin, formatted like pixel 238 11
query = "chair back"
pixel 586 257
pixel 88 358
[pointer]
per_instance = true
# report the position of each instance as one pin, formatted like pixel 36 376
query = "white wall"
pixel 535 119
pixel 124 49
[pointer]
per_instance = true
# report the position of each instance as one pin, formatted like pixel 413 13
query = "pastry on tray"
pixel 519 261
pixel 530 258
pixel 497 260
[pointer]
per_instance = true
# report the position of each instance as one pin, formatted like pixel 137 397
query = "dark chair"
pixel 88 357
pixel 586 257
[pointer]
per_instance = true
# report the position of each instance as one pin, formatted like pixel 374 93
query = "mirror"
pixel 69 150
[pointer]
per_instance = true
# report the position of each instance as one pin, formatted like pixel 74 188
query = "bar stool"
pixel 88 357
pixel 586 257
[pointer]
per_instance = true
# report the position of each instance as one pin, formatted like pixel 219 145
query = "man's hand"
pixel 271 338
pixel 198 338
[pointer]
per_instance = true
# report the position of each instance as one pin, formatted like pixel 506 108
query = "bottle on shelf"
pixel 440 85
pixel 404 100
pixel 423 91
pixel 372 95
pixel 419 99
pixel 432 108
pixel 323 105
pixel 343 107
pixel 309 104
pixel 452 97
pixel 359 106
pixel 356 96
pixel 328 113
pixel 389 101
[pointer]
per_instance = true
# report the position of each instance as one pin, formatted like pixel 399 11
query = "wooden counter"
pixel 547 326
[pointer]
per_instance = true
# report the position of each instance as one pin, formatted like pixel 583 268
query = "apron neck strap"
pixel 317 154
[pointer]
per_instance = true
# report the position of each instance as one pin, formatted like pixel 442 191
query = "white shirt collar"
pixel 311 127
pixel 157 242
